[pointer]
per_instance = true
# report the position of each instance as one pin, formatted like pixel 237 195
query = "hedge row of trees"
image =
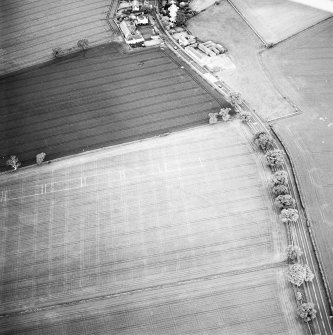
pixel 297 273
pixel 15 163
pixel 223 115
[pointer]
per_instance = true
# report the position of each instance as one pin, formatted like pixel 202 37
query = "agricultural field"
pixel 31 29
pixel 276 20
pixel 98 98
pixel 171 235
pixel 199 5
pixel 302 70
pixel 223 25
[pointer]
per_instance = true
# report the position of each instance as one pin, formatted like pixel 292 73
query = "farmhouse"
pixel 185 40
pixel 132 37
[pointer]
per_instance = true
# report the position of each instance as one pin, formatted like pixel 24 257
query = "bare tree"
pixel 285 201
pixel 294 252
pixel 224 113
pixel 289 215
pixel 296 274
pixel 280 178
pixel 263 140
pixel 307 311
pixel 213 118
pixel 13 162
pixel 58 52
pixel 40 158
pixel 83 44
pixel 274 157
pixel 245 116
pixel 280 190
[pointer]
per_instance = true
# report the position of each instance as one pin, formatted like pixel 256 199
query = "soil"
pixel 98 98
pixel 172 235
pixel 31 29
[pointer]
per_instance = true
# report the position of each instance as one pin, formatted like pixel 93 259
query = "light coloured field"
pixel 199 5
pixel 222 24
pixel 276 20
pixel 174 235
pixel 302 69
pixel 31 29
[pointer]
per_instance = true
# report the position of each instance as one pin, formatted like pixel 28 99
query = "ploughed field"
pixel 98 98
pixel 302 69
pixel 171 235
pixel 31 29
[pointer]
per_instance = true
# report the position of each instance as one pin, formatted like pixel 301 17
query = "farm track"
pixel 118 98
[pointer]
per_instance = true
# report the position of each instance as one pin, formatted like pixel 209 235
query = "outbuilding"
pixel 142 20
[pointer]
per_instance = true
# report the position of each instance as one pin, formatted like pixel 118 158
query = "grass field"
pixel 199 5
pixel 31 29
pixel 302 70
pixel 222 24
pixel 99 98
pixel 173 235
pixel 276 20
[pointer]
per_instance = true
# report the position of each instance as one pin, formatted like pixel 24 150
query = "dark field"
pixel 98 99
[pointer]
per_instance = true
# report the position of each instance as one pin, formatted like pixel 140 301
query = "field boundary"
pixel 273 44
pixel 259 125
pixel 109 17
pixel 291 231
pixel 300 32
pixel 297 109
pixel 308 221
pixel 247 22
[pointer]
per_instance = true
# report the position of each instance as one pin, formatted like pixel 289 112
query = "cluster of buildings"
pixel 212 49
pixel 132 36
pixel 134 23
pixel 209 48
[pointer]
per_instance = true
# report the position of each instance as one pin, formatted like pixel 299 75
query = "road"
pixel 315 290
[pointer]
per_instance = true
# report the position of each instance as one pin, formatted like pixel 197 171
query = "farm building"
pixel 206 50
pixel 183 41
pixel 135 40
pixel 125 29
pixel 216 48
pixel 131 38
pixel 195 54
pixel 186 40
pixel 142 20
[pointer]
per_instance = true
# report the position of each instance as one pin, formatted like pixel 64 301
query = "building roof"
pixel 124 28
